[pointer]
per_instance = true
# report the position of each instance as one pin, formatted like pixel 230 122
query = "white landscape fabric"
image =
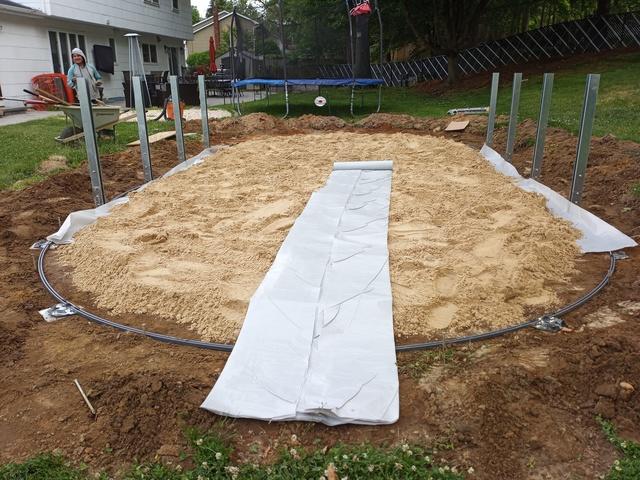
pixel 317 342
pixel 597 235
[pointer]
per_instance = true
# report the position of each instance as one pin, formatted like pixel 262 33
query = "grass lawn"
pixel 617 109
pixel 25 145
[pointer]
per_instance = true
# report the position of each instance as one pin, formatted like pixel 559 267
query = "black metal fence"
pixel 593 34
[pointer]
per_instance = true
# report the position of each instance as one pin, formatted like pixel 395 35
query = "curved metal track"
pixel 226 347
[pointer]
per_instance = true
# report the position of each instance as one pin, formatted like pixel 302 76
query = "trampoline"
pixel 319 82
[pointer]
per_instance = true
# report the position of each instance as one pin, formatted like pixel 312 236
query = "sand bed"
pixel 469 251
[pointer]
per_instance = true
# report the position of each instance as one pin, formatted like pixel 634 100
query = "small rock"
pixel 605 408
pixel 626 386
pixel 609 390
pixel 156 386
pixel 169 451
pixel 437 129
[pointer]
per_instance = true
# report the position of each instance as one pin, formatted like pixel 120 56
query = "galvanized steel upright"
pixel 513 115
pixel 145 151
pixel 177 115
pixel 95 171
pixel 493 102
pixel 584 137
pixel 204 111
pixel 545 105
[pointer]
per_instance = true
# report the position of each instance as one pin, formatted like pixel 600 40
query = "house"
pixel 37 36
pixel 204 29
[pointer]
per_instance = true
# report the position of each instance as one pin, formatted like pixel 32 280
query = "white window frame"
pixel 155 48
pixel 69 47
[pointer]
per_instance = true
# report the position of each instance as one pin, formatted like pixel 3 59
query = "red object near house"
pixel 212 56
pixel 55 84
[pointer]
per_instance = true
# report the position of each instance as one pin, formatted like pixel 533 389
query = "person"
pixel 82 69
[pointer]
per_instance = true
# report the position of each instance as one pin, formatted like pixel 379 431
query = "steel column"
pixel 145 151
pixel 95 171
pixel 493 101
pixel 584 137
pixel 513 115
pixel 204 111
pixel 177 116
pixel 545 104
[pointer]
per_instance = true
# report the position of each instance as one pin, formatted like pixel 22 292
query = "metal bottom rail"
pixel 227 347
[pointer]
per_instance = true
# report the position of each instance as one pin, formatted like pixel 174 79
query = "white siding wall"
pixel 25 52
pixel 133 15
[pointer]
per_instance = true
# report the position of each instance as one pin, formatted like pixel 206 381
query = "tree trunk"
pixel 603 8
pixel 453 70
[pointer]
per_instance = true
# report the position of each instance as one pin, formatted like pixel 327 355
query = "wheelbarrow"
pixel 103 118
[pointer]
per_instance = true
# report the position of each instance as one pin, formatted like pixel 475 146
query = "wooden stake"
pixel 86 400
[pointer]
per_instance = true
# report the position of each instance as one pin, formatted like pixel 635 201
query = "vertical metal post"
pixel 513 115
pixel 584 137
pixel 177 116
pixel 204 111
pixel 545 104
pixel 95 172
pixel 145 151
pixel 493 102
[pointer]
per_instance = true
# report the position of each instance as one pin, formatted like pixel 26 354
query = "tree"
pixel 195 15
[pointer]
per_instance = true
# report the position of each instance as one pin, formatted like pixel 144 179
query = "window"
pixel 64 50
pixel 175 5
pixel 61 44
pixel 112 44
pixel 55 54
pixel 155 3
pixel 149 53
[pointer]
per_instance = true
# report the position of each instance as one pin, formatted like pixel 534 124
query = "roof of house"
pixel 202 24
pixel 9 3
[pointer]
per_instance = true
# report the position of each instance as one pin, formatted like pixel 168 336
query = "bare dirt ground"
pixel 522 406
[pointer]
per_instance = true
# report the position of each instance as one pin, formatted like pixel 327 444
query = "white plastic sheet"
pixel 76 221
pixel 597 235
pixel 317 341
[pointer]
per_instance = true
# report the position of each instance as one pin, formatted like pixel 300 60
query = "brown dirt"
pixel 518 407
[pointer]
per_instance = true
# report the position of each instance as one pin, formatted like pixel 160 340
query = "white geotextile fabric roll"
pixel 317 341
pixel 597 235
pixel 368 165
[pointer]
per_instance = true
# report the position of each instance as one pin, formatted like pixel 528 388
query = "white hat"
pixel 77 51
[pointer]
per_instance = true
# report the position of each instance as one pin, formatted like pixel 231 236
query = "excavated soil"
pixel 522 406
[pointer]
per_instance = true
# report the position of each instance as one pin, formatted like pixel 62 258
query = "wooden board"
pixel 457 126
pixel 156 137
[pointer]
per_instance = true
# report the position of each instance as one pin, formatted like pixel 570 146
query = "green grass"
pixel 25 145
pixel 628 467
pixel 210 458
pixel 45 466
pixel 617 108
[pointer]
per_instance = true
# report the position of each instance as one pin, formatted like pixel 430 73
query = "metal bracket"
pixel 57 312
pixel 39 245
pixel 619 255
pixel 549 323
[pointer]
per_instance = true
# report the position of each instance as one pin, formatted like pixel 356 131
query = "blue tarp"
pixel 323 82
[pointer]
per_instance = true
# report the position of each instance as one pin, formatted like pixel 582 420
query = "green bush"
pixel 198 59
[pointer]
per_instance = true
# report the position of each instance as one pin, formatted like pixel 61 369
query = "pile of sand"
pixel 469 251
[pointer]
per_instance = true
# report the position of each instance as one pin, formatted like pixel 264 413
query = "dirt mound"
pixel 254 122
pixel 316 122
pixel 391 120
pixel 134 410
pixel 612 171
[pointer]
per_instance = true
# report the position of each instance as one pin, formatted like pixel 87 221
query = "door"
pixel 174 67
